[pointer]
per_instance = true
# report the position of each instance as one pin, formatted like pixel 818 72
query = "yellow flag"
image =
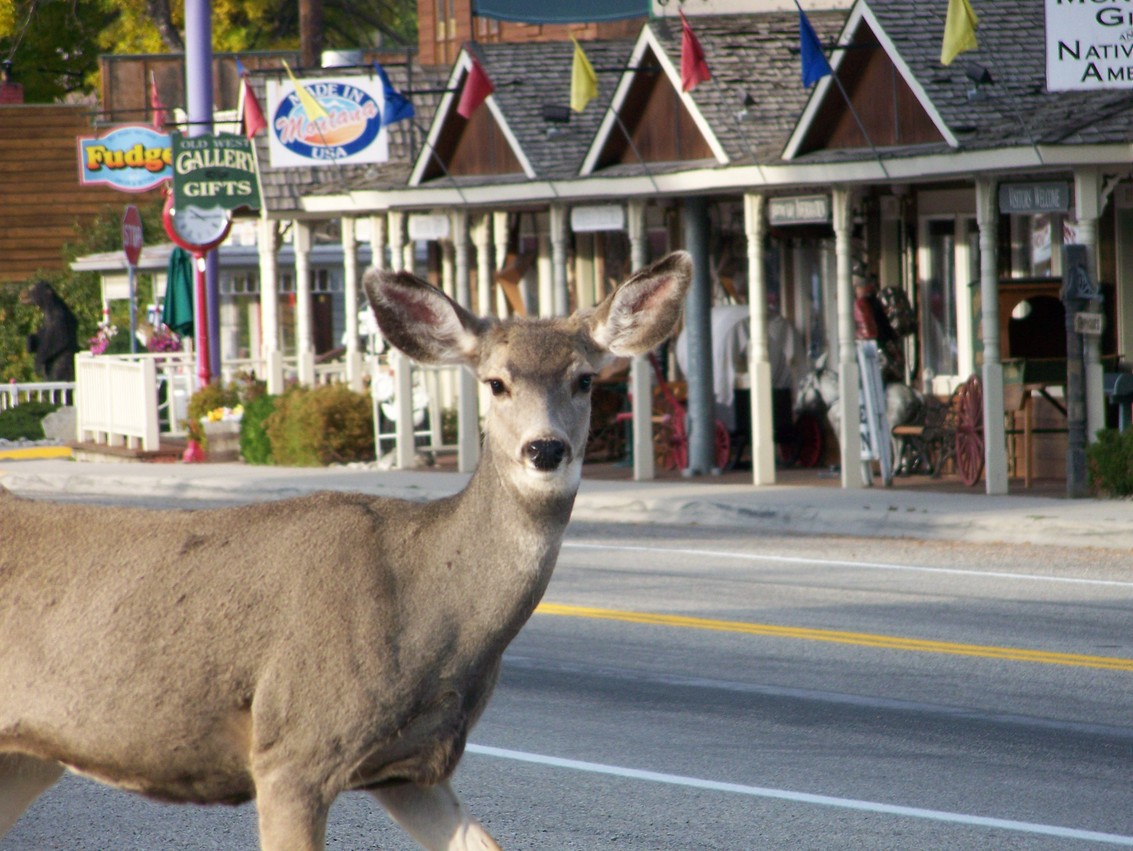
pixel 311 105
pixel 583 81
pixel 959 31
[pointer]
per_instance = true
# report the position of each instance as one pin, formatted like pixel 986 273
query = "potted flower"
pixel 222 432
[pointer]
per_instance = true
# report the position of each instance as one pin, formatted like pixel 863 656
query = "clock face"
pixel 195 228
pixel 201 225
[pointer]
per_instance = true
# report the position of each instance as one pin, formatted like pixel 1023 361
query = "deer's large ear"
pixel 420 320
pixel 641 313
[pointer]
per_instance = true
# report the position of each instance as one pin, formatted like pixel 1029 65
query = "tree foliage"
pixel 54 45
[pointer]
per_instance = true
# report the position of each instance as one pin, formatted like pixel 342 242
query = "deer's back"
pixel 125 617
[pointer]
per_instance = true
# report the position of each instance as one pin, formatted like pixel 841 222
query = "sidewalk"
pixel 913 512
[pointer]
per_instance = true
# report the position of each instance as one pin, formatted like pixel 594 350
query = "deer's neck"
pixel 499 541
pixel 520 509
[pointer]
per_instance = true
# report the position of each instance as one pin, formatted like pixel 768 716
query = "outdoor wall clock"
pixel 196 229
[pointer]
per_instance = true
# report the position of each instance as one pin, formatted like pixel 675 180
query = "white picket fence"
pixel 130 400
pixel 118 397
pixel 55 392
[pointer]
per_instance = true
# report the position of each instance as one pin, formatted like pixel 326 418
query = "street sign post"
pixel 132 245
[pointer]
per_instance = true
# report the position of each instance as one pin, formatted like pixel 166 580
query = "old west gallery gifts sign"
pixel 214 171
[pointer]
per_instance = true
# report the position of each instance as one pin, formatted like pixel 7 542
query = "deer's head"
pixel 539 371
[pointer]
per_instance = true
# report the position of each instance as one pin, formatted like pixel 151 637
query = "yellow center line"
pixel 861 639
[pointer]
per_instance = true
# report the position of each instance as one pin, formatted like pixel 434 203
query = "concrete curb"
pixel 780 509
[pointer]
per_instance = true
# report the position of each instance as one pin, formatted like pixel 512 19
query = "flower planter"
pixel 222 441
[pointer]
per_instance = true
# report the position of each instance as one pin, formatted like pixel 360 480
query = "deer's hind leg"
pixel 435 817
pixel 22 780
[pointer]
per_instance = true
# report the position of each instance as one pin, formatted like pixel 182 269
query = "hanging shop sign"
pixel 799 210
pixel 428 226
pixel 1088 45
pixel 1034 198
pixel 214 171
pixel 599 217
pixel 347 128
pixel 130 158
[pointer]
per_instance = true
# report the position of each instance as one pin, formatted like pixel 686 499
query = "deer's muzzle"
pixel 545 455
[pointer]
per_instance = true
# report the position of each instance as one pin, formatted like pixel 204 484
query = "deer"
pixel 288 651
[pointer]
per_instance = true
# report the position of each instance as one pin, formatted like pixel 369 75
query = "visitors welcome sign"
pixel 1089 44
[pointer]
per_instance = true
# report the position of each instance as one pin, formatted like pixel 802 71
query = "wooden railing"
pixel 54 392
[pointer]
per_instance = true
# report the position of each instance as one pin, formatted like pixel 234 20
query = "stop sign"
pixel 132 234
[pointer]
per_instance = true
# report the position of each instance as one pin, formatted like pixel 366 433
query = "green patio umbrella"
pixel 177 309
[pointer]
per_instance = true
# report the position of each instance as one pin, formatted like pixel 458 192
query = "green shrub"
pixel 25 421
pixel 317 426
pixel 255 445
pixel 1110 462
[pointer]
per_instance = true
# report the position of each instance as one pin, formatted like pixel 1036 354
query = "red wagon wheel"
pixel 970 431
pixel 670 443
pixel 723 447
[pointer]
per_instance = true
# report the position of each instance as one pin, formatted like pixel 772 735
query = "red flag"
pixel 156 105
pixel 254 120
pixel 477 87
pixel 694 70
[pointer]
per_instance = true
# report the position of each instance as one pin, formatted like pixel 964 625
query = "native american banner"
pixel 1088 45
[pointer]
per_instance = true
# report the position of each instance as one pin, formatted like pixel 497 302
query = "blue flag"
pixel 397 106
pixel 815 64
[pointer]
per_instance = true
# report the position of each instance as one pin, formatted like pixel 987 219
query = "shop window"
pixel 1035 245
pixel 938 303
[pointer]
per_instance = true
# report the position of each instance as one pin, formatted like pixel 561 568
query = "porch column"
pixel 849 433
pixel 500 235
pixel 378 241
pixel 404 449
pixel 584 288
pixel 350 308
pixel 1088 206
pixel 544 267
pixel 640 372
pixel 995 437
pixel 468 402
pixel 485 272
pixel 698 322
pixel 272 358
pixel 447 379
pixel 759 359
pixel 560 285
pixel 304 347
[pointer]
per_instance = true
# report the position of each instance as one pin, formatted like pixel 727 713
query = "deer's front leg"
pixel 292 816
pixel 22 780
pixel 435 817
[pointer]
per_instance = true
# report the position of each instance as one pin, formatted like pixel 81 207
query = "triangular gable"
pixel 887 97
pixel 662 123
pixel 481 146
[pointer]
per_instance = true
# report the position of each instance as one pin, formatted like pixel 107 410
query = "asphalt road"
pixel 707 689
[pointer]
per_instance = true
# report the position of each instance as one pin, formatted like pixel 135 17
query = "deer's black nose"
pixel 545 454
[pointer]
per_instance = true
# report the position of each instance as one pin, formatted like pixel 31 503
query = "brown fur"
pixel 291 650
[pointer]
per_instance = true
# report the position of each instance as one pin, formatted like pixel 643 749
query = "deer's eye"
pixel 496 386
pixel 584 383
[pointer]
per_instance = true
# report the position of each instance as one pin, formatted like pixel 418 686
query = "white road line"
pixel 825 562
pixel 803 797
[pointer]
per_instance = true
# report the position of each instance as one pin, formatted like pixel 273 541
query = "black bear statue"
pixel 55 343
